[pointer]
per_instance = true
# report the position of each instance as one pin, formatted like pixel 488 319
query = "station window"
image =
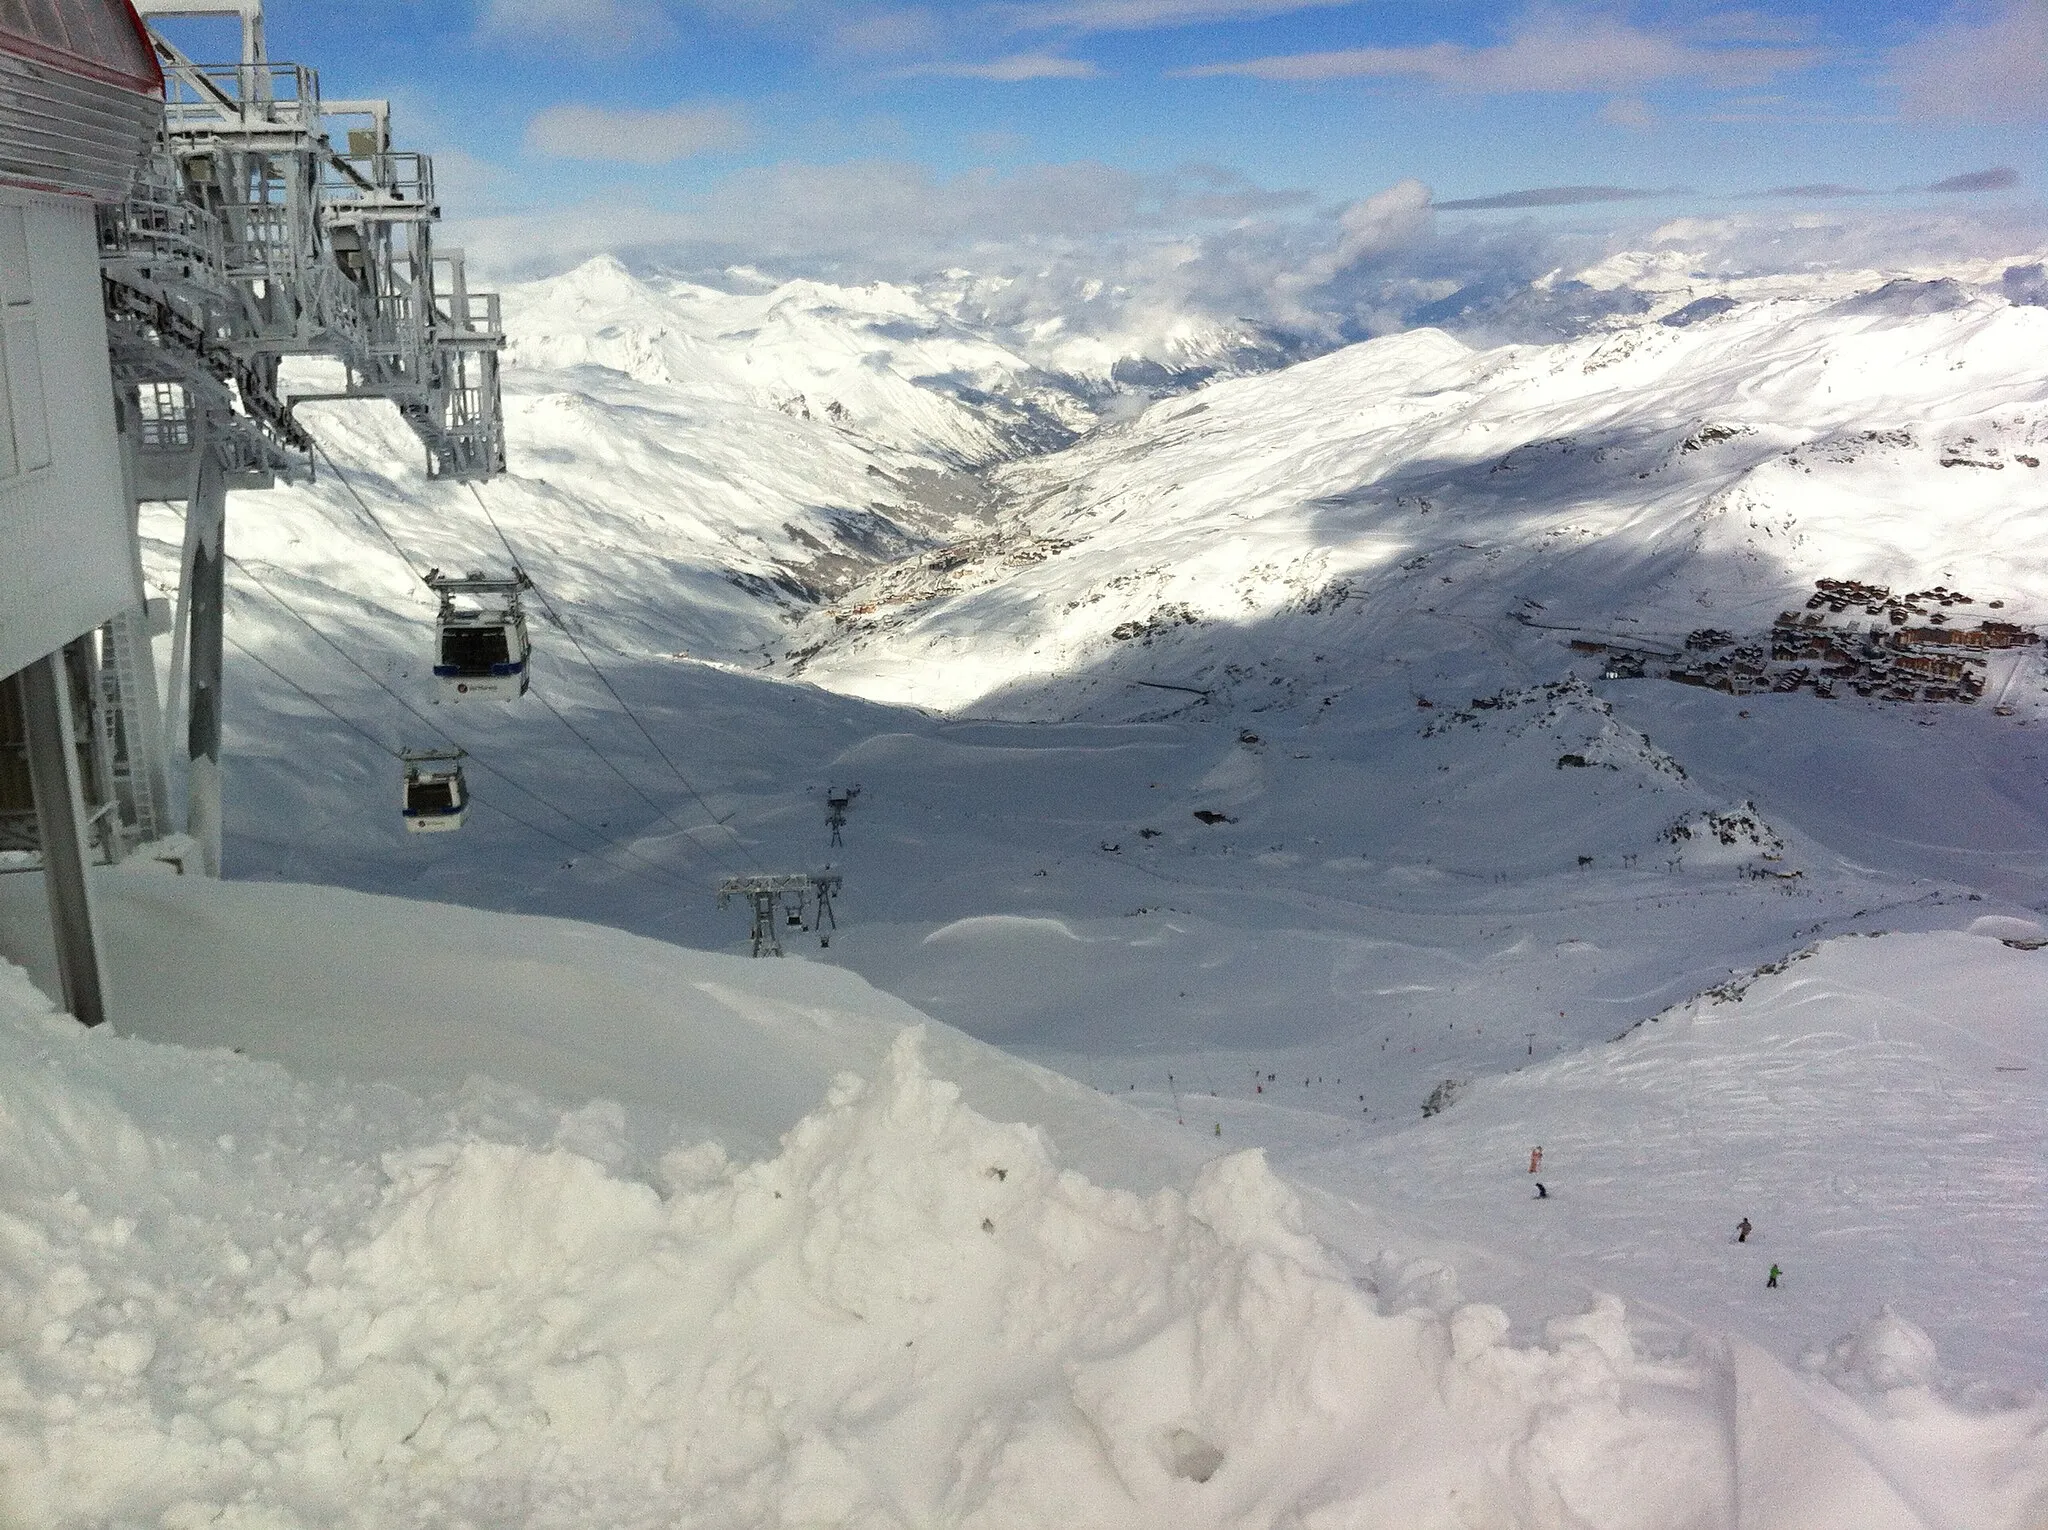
pixel 24 418
pixel 14 285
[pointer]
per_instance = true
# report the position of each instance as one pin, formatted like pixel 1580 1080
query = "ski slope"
pixel 356 1292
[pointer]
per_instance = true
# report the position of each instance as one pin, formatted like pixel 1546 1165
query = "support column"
pixel 205 525
pixel 142 727
pixel 60 819
pixel 82 675
pixel 129 646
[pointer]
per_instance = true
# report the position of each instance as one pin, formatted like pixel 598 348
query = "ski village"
pixel 639 893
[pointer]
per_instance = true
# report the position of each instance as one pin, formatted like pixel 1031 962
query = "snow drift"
pixel 233 1297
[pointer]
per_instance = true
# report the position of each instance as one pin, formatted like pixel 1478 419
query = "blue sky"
pixel 790 124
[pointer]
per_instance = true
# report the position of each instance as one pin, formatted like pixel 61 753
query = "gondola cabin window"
pixel 474 650
pixel 431 797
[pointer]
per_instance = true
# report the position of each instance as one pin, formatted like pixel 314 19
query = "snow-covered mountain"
pixel 789 438
pixel 1636 486
pixel 1302 757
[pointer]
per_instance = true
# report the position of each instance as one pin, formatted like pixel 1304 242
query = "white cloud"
pixel 1629 112
pixel 1550 196
pixel 1150 15
pixel 1749 26
pixel 1374 225
pixel 1990 66
pixel 885 215
pixel 625 135
pixel 1104 251
pixel 1552 51
pixel 1017 66
pixel 1998 178
pixel 893 30
pixel 598 26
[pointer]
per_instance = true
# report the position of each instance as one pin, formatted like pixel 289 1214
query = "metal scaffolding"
pixel 837 800
pixel 267 223
pixel 251 236
pixel 798 900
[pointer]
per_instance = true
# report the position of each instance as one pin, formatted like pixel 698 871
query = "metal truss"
pixel 251 236
pixel 266 223
pixel 801 900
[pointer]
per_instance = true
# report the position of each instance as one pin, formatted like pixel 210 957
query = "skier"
pixel 1541 1193
pixel 1773 1281
pixel 1742 1231
pixel 1535 1159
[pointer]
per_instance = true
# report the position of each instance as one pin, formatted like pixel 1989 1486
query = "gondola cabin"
pixel 436 796
pixel 481 647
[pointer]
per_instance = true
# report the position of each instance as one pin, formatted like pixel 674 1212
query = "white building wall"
pixel 65 560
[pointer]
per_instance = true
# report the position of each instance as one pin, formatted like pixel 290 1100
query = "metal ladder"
pixel 125 728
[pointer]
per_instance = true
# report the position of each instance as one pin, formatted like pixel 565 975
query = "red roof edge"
pixel 156 69
pixel 67 62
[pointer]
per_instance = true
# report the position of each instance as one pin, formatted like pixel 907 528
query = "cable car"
pixel 481 647
pixel 436 798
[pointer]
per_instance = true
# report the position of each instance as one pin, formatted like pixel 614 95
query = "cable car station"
pixel 181 229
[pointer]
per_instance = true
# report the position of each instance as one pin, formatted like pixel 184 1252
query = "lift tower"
pixel 267 223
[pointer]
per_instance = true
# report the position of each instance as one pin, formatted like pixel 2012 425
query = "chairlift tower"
pixel 837 800
pixel 777 900
pixel 267 223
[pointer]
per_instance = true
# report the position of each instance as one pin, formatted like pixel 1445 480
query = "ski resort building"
pixel 80 104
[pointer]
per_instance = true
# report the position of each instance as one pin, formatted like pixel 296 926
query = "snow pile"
pixel 234 1298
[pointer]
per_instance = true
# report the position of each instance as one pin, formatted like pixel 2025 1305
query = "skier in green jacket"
pixel 1773 1281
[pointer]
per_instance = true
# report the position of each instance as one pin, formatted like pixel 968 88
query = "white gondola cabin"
pixel 436 796
pixel 481 647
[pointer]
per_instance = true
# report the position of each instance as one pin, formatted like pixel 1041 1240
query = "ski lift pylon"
pixel 777 900
pixel 481 645
pixel 837 800
pixel 436 797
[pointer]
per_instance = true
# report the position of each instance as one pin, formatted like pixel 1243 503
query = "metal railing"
pixel 240 98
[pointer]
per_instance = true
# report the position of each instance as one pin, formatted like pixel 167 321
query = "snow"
pixel 252 1297
pixel 1877 1105
pixel 434 1201
pixel 1429 480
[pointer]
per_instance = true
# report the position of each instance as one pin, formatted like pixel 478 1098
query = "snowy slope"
pixel 1875 1107
pixel 793 436
pixel 294 1299
pixel 1639 484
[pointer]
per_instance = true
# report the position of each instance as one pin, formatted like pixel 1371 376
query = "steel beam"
pixel 206 552
pixel 60 817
